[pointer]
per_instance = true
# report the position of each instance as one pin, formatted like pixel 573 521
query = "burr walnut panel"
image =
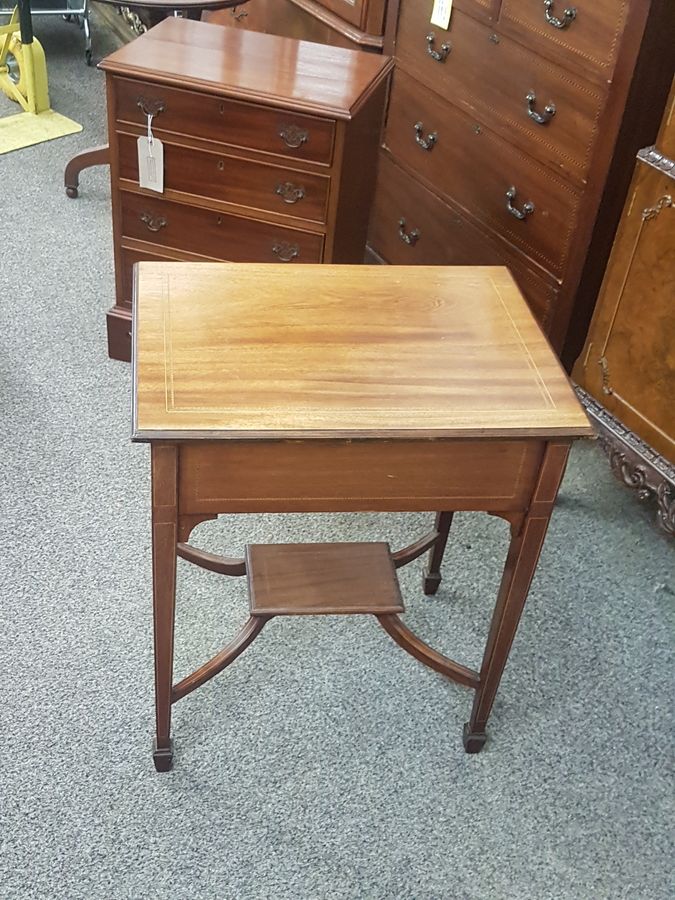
pixel 628 363
pixel 665 141
pixel 527 99
pixel 234 180
pixel 467 162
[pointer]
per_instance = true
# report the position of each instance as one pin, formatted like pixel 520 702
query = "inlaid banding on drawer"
pixel 316 476
pixel 230 122
pixel 533 103
pixel 213 234
pixel 495 182
pixel 582 32
pixel 411 226
pixel 242 182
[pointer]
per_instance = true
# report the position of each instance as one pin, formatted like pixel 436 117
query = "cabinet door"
pixel 367 15
pixel 628 363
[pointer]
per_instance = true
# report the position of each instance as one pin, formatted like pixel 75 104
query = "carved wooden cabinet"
pixel 627 368
pixel 503 132
pixel 270 146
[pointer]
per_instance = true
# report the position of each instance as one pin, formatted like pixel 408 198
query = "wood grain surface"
pixel 233 351
pixel 262 68
pixel 322 579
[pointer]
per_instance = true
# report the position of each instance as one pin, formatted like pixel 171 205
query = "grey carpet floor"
pixel 325 763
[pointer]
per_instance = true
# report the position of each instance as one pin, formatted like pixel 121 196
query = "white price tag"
pixel 440 15
pixel 151 164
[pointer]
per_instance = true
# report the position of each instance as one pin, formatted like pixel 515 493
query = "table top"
pixel 253 351
pixel 262 68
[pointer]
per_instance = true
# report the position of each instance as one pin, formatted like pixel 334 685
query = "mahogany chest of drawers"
pixel 504 136
pixel 270 147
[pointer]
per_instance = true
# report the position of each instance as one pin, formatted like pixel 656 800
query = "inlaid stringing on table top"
pixel 244 351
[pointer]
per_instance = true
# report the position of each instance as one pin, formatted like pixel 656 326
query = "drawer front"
pixel 332 476
pixel 496 183
pixel 217 176
pixel 586 33
pixel 411 226
pixel 487 10
pixel 533 104
pixel 213 234
pixel 230 122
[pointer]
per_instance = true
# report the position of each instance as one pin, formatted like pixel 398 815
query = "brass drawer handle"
pixel 294 136
pixel 540 118
pixel 150 108
pixel 285 251
pixel 527 210
pixel 289 193
pixel 237 16
pixel 569 15
pixel 153 223
pixel 439 55
pixel 426 143
pixel 408 237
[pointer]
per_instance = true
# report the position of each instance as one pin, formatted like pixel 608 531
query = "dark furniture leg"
pixel 164 537
pixel 99 156
pixel 432 573
pixel 521 563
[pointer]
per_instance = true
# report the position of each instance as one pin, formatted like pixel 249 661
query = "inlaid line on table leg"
pixel 164 534
pixel 521 564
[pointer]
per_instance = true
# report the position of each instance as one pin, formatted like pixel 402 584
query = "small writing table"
pixel 269 388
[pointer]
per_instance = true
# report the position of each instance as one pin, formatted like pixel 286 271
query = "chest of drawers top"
pixel 260 68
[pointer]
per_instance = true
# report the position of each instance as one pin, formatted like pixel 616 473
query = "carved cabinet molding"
pixel 627 367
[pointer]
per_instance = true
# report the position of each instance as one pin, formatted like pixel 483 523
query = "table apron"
pixel 337 476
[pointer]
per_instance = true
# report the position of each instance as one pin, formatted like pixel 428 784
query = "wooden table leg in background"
pixel 164 539
pixel 527 539
pixel 98 156
pixel 432 572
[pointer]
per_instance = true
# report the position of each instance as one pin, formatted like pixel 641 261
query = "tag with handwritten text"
pixel 151 164
pixel 440 16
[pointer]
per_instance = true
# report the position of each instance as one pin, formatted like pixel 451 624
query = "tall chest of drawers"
pixel 500 135
pixel 270 147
